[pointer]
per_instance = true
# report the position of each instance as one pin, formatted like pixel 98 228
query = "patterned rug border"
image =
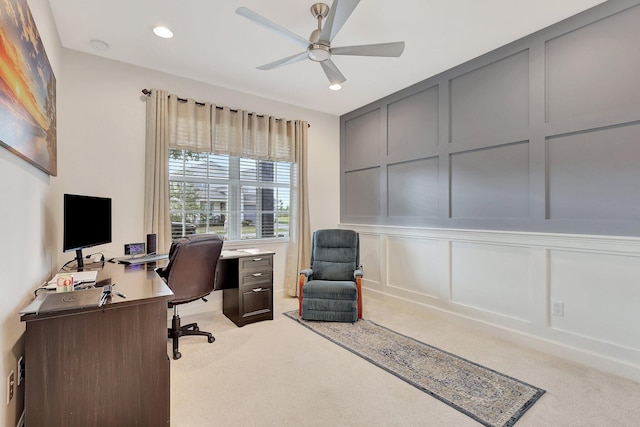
pixel 293 314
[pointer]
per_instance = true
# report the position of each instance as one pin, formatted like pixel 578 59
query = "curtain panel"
pixel 299 249
pixel 157 218
pixel 206 127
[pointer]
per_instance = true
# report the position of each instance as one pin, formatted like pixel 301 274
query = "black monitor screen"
pixel 87 221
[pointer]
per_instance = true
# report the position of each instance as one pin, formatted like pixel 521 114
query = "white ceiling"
pixel 213 44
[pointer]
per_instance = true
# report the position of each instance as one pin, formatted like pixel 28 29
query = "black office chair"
pixel 190 274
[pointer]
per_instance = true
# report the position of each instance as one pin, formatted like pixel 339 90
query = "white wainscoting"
pixel 509 283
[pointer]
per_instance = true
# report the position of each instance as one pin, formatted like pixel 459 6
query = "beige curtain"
pixel 206 127
pixel 156 188
pixel 299 249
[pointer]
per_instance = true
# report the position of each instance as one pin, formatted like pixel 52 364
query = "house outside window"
pixel 237 198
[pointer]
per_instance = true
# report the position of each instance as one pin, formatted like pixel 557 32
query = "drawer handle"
pixel 257 259
pixel 257 274
pixel 256 289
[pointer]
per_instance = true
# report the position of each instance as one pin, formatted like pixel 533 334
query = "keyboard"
pixel 143 259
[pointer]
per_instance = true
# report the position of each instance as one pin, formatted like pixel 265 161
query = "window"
pixel 234 197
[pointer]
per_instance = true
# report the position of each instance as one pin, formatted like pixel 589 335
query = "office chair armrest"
pixel 307 272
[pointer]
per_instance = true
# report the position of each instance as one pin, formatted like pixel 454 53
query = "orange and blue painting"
pixel 27 89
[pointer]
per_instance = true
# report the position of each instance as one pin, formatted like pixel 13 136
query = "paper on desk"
pixel 252 251
pixel 78 277
pixel 239 252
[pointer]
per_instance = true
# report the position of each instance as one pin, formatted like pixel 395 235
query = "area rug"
pixel 489 397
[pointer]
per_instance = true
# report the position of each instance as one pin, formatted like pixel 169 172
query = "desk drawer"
pixel 257 301
pixel 262 262
pixel 256 278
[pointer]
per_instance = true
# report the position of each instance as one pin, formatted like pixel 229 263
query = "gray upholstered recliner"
pixel 331 289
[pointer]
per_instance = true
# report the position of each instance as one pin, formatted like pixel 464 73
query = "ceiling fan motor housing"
pixel 318 52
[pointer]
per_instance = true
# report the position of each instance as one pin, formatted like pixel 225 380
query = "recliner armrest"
pixel 304 276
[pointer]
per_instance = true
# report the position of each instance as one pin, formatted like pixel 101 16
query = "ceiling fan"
pixel 318 47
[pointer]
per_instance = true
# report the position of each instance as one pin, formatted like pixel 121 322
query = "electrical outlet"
pixel 557 308
pixel 20 370
pixel 10 386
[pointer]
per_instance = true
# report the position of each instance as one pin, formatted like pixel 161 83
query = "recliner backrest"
pixel 191 270
pixel 335 254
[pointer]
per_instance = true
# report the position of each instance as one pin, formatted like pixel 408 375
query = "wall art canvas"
pixel 27 89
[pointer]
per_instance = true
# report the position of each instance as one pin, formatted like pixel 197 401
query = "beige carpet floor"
pixel 278 373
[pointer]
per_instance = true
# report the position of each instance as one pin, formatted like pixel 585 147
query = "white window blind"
pixel 235 197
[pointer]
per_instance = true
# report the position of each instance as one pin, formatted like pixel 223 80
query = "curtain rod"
pixel 147 92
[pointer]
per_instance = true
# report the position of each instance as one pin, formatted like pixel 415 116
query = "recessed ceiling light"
pixel 163 32
pixel 336 86
pixel 99 45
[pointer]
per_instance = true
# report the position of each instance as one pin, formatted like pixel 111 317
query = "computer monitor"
pixel 87 223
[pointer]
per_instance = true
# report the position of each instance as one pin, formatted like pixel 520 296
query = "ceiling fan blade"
pixel 284 61
pixel 272 26
pixel 382 49
pixel 338 15
pixel 333 74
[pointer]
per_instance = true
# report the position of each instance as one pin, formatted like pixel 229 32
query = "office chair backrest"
pixel 191 270
pixel 335 254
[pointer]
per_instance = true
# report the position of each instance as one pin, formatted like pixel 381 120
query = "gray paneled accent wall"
pixel 491 182
pixel 490 102
pixel 542 134
pixel 419 182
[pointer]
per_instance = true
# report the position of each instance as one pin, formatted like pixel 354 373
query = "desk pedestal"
pixel 247 280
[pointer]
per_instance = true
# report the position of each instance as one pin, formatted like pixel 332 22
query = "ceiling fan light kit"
pixel 318 52
pixel 318 47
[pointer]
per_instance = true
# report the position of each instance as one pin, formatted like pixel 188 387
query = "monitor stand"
pixel 79 260
pixel 80 265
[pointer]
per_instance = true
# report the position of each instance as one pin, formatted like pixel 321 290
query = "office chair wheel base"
pixel 211 339
pixel 177 355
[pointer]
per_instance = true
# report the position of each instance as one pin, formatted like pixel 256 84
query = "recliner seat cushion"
pixel 333 290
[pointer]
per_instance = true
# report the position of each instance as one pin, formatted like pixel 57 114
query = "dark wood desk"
pixel 103 366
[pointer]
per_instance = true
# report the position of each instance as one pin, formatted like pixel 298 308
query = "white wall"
pixel 25 221
pixel 507 283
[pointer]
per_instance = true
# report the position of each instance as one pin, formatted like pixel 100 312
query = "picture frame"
pixel 27 89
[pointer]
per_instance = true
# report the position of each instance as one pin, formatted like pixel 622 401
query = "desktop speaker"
pixel 151 243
